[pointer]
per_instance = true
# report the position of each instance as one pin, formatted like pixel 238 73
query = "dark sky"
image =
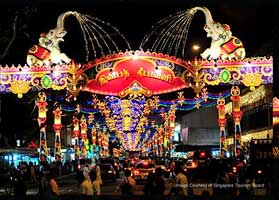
pixel 250 20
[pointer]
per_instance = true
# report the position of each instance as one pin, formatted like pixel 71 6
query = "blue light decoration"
pixel 142 126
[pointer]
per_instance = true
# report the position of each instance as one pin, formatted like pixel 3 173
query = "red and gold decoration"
pixel 134 73
pixel 83 137
pixel 128 79
pixel 76 134
pixel 57 126
pixel 275 111
pixel 195 77
pixel 42 117
pixel 237 115
pixel 222 124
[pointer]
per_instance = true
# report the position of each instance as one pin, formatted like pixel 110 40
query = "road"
pixel 68 185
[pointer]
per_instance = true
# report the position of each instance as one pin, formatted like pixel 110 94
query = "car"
pixel 115 163
pixel 162 165
pixel 108 172
pixel 142 169
pixel 82 163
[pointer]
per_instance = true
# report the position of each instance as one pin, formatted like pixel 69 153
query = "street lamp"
pixel 196 47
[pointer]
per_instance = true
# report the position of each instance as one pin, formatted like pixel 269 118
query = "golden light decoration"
pixel 195 78
pixel 251 97
pixel 180 98
pixel 95 101
pixel 74 79
pixel 76 133
pixel 275 110
pixel 135 90
pixel 42 110
pixel 19 87
pixel 252 80
pixel 57 126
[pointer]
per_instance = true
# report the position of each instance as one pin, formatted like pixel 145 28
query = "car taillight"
pixel 234 169
pixel 194 164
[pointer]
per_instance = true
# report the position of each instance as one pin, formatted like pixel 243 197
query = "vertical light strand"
pixel 237 115
pixel 222 124
pixel 42 116
pixel 57 126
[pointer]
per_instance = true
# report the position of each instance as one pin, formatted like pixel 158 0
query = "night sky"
pixel 250 20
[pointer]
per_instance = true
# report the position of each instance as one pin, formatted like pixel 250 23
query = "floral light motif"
pixel 252 80
pixel 19 87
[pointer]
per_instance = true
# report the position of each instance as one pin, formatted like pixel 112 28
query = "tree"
pixel 14 25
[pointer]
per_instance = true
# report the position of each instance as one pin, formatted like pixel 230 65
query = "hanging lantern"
pixel 83 136
pixel 76 133
pixel 42 115
pixel 57 126
pixel 171 118
pixel 90 118
pixel 222 124
pixel 237 115
pixel 94 133
pixel 42 110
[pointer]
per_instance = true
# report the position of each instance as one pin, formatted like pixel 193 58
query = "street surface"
pixel 68 186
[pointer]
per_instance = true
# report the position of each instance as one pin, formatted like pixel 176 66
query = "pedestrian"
pixel 44 187
pixel 148 187
pixel 181 182
pixel 86 188
pixel 172 167
pixel 95 183
pixel 128 184
pixel 221 190
pixel 98 173
pixel 86 172
pixel 54 186
pixel 158 184
pixel 20 187
pixel 33 174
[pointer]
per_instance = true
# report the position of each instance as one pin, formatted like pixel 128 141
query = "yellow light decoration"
pixel 73 80
pixel 42 114
pixel 180 98
pixel 42 104
pixel 275 110
pixel 83 135
pixel 76 133
pixel 94 133
pixel 57 126
pixel 19 87
pixel 222 124
pixel 252 80
pixel 90 118
pixel 237 115
pixel 235 92
pixel 197 76
pixel 251 97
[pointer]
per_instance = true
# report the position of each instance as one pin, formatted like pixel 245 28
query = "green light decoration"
pixel 225 75
pixel 46 81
